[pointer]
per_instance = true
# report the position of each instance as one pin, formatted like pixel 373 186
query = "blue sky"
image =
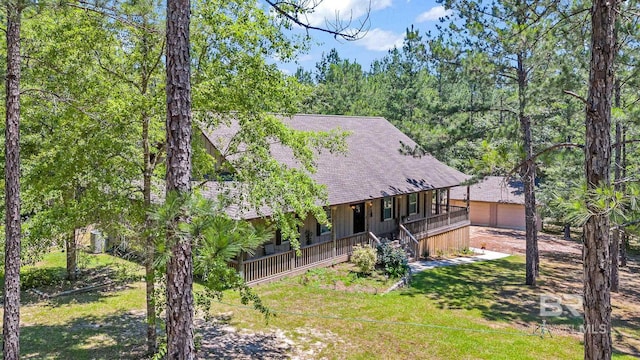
pixel 387 23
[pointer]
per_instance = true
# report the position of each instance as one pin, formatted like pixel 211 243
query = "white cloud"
pixel 380 40
pixel 305 57
pixel 434 13
pixel 345 10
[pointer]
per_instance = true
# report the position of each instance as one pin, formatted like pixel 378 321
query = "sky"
pixel 387 23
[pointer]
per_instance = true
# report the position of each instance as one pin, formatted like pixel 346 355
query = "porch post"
pixel 448 207
pixel 367 221
pixel 333 231
pixel 241 265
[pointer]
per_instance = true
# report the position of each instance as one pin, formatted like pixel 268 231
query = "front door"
pixel 358 218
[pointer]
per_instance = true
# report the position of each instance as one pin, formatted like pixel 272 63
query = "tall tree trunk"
pixel 180 266
pixel 625 237
pixel 72 256
pixel 528 178
pixel 596 256
pixel 149 244
pixel 615 241
pixel 11 317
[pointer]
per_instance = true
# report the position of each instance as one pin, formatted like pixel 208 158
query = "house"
pixel 374 191
pixel 496 201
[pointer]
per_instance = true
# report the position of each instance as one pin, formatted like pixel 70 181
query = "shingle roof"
pixel 373 166
pixel 492 189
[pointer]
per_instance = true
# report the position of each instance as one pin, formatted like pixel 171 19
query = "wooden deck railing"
pixel 267 266
pixel 456 214
pixel 409 241
pixel 274 266
pixel 345 245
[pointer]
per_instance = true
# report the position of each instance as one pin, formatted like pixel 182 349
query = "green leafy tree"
pixel 72 150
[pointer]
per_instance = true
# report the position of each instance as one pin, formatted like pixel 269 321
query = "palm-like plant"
pixel 217 239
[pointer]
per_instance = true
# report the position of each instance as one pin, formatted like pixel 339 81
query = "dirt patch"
pixel 513 241
pixel 221 341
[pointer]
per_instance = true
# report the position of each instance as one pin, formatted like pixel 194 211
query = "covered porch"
pixel 421 233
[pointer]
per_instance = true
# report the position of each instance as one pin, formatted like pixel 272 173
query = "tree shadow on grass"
pixel 118 336
pixel 92 296
pixel 91 285
pixel 495 288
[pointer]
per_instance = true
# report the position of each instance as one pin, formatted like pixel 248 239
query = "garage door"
pixel 480 213
pixel 511 216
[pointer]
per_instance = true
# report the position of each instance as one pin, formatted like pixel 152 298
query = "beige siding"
pixel 341 224
pixel 310 229
pixel 211 150
pixel 376 225
pixel 428 198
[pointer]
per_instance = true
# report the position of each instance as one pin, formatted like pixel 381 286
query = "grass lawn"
pixel 475 311
pixel 448 313
pixel 103 324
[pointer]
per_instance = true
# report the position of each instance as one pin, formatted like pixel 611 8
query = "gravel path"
pixel 481 255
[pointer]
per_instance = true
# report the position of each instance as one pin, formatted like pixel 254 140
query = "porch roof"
pixel 372 167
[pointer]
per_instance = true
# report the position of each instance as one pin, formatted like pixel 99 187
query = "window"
pixel 387 208
pixel 413 204
pixel 325 229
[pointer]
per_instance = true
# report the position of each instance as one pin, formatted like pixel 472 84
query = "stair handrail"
pixel 413 238
pixel 375 238
pixel 415 244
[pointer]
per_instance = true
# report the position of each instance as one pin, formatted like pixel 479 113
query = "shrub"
pixel 364 258
pixel 393 260
pixel 41 277
pixel 466 251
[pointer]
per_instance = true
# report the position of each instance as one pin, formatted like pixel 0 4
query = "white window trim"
pixel 415 203
pixel 384 200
